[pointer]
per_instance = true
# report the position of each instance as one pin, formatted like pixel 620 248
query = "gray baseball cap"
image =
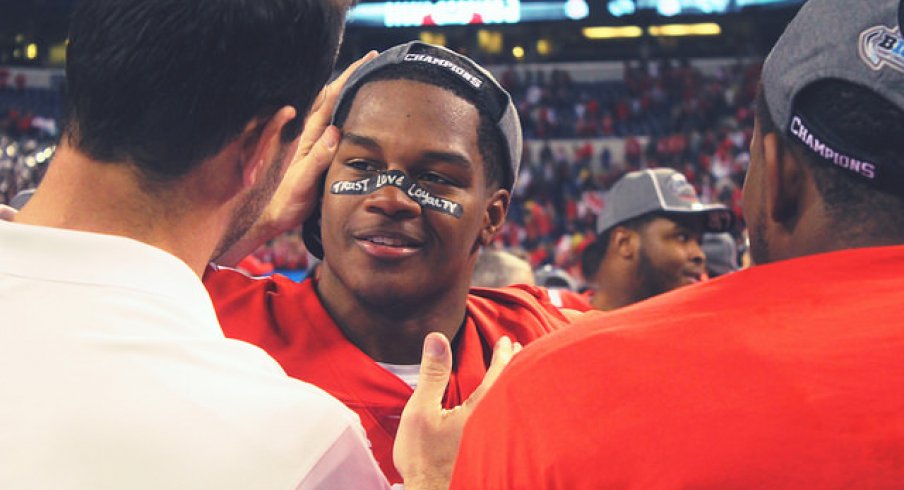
pixel 857 42
pixel 660 190
pixel 470 76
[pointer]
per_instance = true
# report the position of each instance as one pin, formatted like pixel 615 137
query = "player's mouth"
pixel 388 245
pixel 692 277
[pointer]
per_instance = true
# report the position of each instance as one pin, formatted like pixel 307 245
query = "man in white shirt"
pixel 181 118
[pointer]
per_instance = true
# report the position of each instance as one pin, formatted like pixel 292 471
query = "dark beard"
pixel 650 280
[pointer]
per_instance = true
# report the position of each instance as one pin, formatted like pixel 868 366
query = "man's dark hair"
pixel 865 121
pixel 489 137
pixel 593 255
pixel 165 84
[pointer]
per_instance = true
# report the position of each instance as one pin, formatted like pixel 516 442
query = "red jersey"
pixel 565 298
pixel 288 320
pixel 784 376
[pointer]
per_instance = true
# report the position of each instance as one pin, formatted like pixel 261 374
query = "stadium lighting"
pixel 603 32
pixel 678 30
pixel 433 37
pixel 544 47
pixel 518 52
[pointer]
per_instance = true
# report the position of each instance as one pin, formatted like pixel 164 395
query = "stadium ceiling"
pixel 750 32
pixel 747 32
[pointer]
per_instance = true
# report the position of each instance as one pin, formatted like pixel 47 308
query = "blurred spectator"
pixel 721 254
pixel 496 268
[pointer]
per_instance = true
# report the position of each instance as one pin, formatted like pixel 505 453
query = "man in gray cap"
pixel 420 181
pixel 786 375
pixel 649 239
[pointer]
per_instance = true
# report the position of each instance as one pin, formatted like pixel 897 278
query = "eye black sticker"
pixel 397 178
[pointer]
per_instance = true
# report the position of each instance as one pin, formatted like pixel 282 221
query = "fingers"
pixel 323 107
pixel 7 213
pixel 322 111
pixel 436 367
pixel 339 82
pixel 503 352
pixel 321 155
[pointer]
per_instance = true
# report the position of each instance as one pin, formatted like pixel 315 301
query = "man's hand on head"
pixel 427 442
pixel 297 194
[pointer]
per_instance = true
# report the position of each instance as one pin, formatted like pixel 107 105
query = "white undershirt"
pixel 406 372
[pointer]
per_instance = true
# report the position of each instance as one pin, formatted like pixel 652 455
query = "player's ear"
pixel 624 242
pixel 784 179
pixel 261 143
pixel 494 215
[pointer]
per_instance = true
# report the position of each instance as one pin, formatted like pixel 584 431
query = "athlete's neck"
pixel 80 194
pixel 391 330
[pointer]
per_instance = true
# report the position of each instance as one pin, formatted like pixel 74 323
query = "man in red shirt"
pixel 649 237
pixel 787 375
pixel 404 213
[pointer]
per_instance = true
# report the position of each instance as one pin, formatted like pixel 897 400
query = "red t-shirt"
pixel 783 376
pixel 288 320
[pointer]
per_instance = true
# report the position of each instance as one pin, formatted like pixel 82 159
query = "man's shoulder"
pixel 222 278
pixel 510 296
pixel 514 307
pixel 719 310
pixel 233 286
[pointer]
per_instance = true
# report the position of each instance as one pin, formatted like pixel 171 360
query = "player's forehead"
pixel 394 116
pixel 415 101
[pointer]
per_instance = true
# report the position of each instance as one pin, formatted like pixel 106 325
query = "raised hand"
pixel 428 438
pixel 297 194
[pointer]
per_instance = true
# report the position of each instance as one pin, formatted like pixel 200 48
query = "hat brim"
pixel 716 218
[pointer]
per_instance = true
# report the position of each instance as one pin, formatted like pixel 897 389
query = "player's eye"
pixel 362 165
pixel 436 178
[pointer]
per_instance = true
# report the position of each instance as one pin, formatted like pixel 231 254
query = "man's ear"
pixel 624 242
pixel 494 217
pixel 261 142
pixel 784 179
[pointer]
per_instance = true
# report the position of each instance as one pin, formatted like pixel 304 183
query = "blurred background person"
pixel 499 268
pixel 649 237
pixel 721 253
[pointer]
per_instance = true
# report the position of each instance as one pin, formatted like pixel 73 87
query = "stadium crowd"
pixel 664 114
pixel 668 114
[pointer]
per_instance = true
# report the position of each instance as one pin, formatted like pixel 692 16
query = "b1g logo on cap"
pixel 881 46
pixel 680 187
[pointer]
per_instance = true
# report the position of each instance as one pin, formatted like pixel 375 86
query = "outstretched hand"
pixel 297 194
pixel 428 438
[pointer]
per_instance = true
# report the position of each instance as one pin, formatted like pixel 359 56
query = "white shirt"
pixel 114 374
pixel 409 373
